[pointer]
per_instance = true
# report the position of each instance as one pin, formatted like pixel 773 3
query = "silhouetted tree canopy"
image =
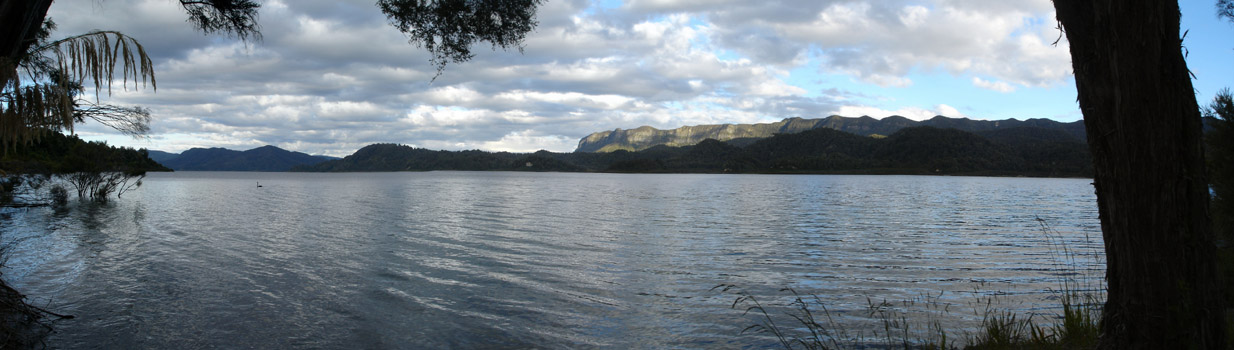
pixel 237 18
pixel 1220 161
pixel 448 28
pixel 46 90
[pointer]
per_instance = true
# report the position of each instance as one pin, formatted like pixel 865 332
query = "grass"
pixel 919 323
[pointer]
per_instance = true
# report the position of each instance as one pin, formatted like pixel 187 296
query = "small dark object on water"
pixel 258 183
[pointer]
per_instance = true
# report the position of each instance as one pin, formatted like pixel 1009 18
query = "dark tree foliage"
pixel 821 149
pixel 1220 159
pixel 93 169
pixel 448 28
pixel 944 151
pixel 392 157
pixel 544 161
pixel 708 156
pixel 237 18
pixel 1225 8
pixel 1219 139
pixel 56 153
pixel 267 158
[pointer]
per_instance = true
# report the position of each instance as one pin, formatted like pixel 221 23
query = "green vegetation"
pixel 917 323
pixel 1023 151
pixel 810 325
pixel 31 174
pixel 56 153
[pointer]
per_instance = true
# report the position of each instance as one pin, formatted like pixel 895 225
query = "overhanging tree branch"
pixel 58 71
pixel 236 18
pixel 448 28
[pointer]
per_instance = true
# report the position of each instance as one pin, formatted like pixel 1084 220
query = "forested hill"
pixel 646 137
pixel 1020 151
pixel 56 153
pixel 265 158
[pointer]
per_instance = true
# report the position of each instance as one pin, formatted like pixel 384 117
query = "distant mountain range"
pixel 743 134
pixel 265 158
pixel 1012 151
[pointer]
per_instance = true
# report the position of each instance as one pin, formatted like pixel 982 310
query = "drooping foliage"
pixel 448 28
pixel 237 18
pixel 42 81
pixel 46 90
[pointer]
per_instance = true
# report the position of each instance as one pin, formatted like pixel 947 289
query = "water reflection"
pixel 457 259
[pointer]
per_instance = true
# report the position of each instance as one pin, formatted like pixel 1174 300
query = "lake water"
pixel 529 260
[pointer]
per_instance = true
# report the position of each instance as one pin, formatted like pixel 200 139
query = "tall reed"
pixel 919 323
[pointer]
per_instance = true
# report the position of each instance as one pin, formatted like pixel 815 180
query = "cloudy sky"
pixel 332 76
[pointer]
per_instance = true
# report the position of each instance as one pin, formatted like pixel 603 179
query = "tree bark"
pixel 1144 132
pixel 20 20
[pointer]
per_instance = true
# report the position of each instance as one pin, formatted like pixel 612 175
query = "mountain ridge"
pixel 1019 151
pixel 264 158
pixel 644 137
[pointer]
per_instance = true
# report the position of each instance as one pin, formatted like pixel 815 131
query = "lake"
pixel 533 260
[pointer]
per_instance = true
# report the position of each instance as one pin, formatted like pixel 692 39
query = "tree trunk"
pixel 20 20
pixel 1144 132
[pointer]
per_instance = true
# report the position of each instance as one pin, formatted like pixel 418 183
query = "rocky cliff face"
pixel 646 137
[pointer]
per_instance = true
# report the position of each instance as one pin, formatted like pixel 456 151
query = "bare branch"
pixel 132 121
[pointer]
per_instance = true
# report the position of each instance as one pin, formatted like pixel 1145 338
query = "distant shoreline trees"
pixel 93 169
pixel 1025 151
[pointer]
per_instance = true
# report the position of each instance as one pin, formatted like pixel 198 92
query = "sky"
pixel 330 77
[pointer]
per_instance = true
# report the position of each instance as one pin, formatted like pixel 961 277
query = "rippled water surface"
pixel 518 260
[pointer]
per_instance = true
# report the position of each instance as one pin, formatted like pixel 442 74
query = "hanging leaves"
pixel 59 71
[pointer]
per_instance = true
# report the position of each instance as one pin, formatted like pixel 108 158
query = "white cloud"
pixel 528 141
pixel 332 76
pixel 999 86
pixel 913 113
pixel 882 42
pixel 949 111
